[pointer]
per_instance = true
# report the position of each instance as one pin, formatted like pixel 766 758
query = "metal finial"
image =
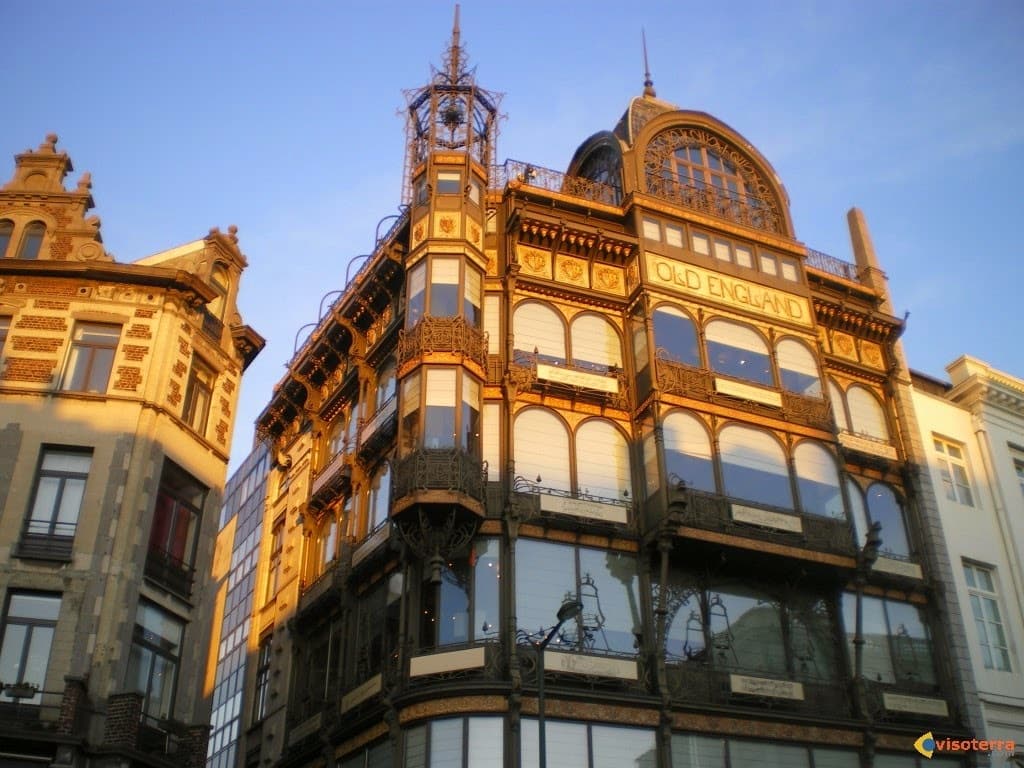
pixel 455 54
pixel 648 83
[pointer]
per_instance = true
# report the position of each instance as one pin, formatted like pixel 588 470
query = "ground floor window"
pixel 694 751
pixel 588 745
pixel 464 742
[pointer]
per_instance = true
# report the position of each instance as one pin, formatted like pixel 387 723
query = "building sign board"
pixel 579 664
pixel 921 705
pixel 436 663
pixel 897 567
pixel 776 520
pixel 577 378
pixel 867 445
pixel 595 510
pixel 763 686
pixel 748 392
pixel 358 695
pixel 730 291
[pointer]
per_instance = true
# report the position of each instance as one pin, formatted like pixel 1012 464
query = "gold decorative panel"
pixel 609 279
pixel 419 231
pixel 535 262
pixel 447 225
pixel 871 354
pixel 571 270
pixel 843 346
pixel 474 234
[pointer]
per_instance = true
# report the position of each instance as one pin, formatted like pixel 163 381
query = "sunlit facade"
pixel 118 385
pixel 627 385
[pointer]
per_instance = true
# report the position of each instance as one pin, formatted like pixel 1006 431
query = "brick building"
pixel 611 444
pixel 118 383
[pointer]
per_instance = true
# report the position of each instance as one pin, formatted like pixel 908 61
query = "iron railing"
pixel 169 571
pixel 749 210
pixel 439 469
pixel 452 335
pixel 527 174
pixel 831 265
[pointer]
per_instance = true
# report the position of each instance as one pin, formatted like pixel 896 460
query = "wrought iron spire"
pixel 648 83
pixel 455 52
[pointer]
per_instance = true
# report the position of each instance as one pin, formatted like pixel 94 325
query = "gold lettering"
pixel 795 310
pixel 742 293
pixel 663 270
pixel 692 280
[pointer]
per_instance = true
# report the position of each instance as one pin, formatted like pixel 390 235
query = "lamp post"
pixel 866 557
pixel 570 609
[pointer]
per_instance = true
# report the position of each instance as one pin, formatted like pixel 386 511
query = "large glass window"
pixel 688 451
pixel 542 449
pixel 379 499
pixel 675 336
pixel 153 660
pixel 988 621
pixel 59 488
pixel 470 742
pixel 698 751
pixel 604 581
pixel 463 607
pixel 444 286
pixel 27 634
pixel 897 643
pixel 817 477
pixel 198 395
pixel 595 343
pixel 539 332
pixel 739 351
pixel 797 370
pixel 377 617
pixel 584 745
pixel 754 467
pixel 602 461
pixel 866 415
pixel 451 406
pixel 32 240
pixel 92 357
pixel 884 508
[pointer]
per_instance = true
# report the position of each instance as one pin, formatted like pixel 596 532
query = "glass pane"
pixel 810 638
pixel 688 451
pixel 797 369
pixel 67 461
pixel 47 489
pixel 722 251
pixel 32 242
pixel 449 182
pixel 836 399
pixel 818 481
pixel 754 467
pixel 866 413
pixel 675 337
pixel 611 608
pixel 911 643
pixel 736 350
pixel 470 426
pixel 473 298
pixel 538 330
pixel 615 747
pixel 857 513
pixel 486 742
pixel 453 605
pixel 566 743
pixel 28 606
pixel 446 742
pixel 439 422
pixel 674 235
pixel 746 633
pixel 690 751
pixel 491 440
pixel 545 576
pixel 492 324
pixel 486 589
pixel 877 659
pixel 542 449
pixel 15 637
pixel 883 508
pixel 602 461
pixel 99 373
pixel 651 229
pixel 38 655
pixel 685 629
pixel 415 748
pixel 835 758
pixel 768 265
pixel 789 270
pixel 743 257
pixel 595 343
pixel 70 504
pixel 417 294
pixel 763 754
pixel 701 244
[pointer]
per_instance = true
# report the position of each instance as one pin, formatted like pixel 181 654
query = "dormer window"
pixel 219 281
pixel 32 240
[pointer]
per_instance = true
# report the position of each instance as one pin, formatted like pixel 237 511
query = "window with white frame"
pixel 953 470
pixel 988 620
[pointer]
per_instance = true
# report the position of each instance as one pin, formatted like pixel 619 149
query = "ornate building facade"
pixel 118 384
pixel 617 420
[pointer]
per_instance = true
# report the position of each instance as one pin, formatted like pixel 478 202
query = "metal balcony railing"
pixel 529 175
pixel 831 265
pixel 439 469
pixel 452 335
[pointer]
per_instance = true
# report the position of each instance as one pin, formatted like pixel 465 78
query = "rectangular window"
pixel 420 194
pixel 153 660
pixel 789 270
pixel 5 326
pixel 274 562
pixel 701 244
pixel 56 502
pixel 463 607
pixel 27 634
pixel 417 294
pixel 897 643
pixel 491 441
pixel 92 357
pixel 981 586
pixel 439 423
pixel 768 264
pixel 474 191
pixel 474 742
pixel 198 394
pixel 722 251
pixel 744 257
pixel 674 235
pixel 261 696
pixel 651 229
pixel 449 183
pixel 492 323
pixel 172 537
pixel 953 470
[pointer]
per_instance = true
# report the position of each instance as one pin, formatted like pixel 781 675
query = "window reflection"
pixel 797 370
pixel 818 481
pixel 885 509
pixel 897 643
pixel 739 351
pixel 754 467
pixel 688 451
pixel 675 336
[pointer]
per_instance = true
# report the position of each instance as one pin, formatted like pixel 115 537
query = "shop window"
pixel 469 742
pixel 817 476
pixel 26 636
pixel 32 240
pixel 988 620
pixel 953 471
pixel 866 415
pixel 604 581
pixel 595 343
pixel 464 606
pixel 610 746
pixel 884 508
pixel 88 368
pixel 688 455
pixel 798 371
pixel 154 658
pixel 675 336
pixel 539 333
pixel 699 751
pixel 897 642
pixel 754 467
pixel 739 351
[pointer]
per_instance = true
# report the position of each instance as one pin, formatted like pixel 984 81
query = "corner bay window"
pixel 464 606
pixel 153 660
pixel 897 642
pixel 442 412
pixel 444 286
pixel 604 581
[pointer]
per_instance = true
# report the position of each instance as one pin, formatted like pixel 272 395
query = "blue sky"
pixel 283 118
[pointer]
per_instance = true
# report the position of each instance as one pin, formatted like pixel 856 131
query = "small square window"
pixel 743 257
pixel 652 229
pixel 474 191
pixel 769 265
pixel 722 251
pixel 674 235
pixel 449 183
pixel 789 270
pixel 701 244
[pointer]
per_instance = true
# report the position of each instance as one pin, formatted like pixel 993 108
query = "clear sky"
pixel 283 118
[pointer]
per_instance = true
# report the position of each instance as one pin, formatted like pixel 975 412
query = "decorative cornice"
pixel 863 324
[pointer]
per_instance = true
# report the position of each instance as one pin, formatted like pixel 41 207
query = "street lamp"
pixel 866 557
pixel 570 609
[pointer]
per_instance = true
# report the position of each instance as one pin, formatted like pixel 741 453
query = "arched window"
pixel 604 165
pixel 675 336
pixel 884 508
pixel 220 282
pixel 797 370
pixel 32 240
pixel 6 230
pixel 602 461
pixel 595 343
pixel 542 449
pixel 866 415
pixel 380 493
pixel 538 329
pixel 737 350
pixel 835 397
pixel 688 451
pixel 817 478
pixel 754 467
pixel 326 542
pixel 858 512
